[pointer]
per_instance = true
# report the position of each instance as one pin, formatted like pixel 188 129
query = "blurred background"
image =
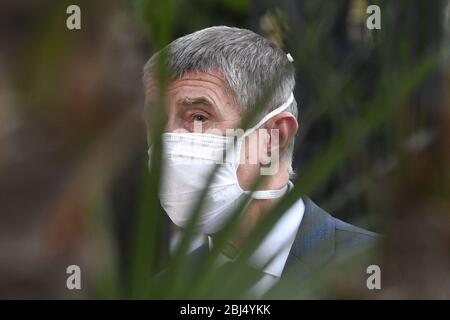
pixel 73 160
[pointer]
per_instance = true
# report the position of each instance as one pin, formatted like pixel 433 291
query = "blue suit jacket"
pixel 322 238
pixel 320 241
pixel 326 245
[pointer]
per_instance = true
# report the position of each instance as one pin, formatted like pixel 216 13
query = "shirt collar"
pixel 277 243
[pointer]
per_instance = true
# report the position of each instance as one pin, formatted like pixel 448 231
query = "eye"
pixel 200 118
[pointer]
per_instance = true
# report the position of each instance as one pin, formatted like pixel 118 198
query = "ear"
pixel 287 127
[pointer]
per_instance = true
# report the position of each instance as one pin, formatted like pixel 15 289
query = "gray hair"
pixel 250 64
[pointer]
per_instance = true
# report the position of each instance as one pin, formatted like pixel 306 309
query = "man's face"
pixel 201 101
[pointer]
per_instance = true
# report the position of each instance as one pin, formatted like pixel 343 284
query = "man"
pixel 217 76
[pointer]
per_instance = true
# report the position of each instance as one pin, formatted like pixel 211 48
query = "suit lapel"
pixel 314 244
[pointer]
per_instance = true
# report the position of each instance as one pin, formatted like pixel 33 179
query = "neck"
pixel 255 212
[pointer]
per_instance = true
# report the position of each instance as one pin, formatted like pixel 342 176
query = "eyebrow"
pixel 188 101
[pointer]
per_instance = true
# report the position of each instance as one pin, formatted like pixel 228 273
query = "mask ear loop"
pixel 270 115
pixel 268 194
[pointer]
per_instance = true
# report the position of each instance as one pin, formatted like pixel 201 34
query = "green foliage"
pixel 393 86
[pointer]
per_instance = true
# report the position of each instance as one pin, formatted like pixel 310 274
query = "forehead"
pixel 211 83
pixel 195 81
pixel 208 89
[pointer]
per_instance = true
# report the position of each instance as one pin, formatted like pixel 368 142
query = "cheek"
pixel 246 174
pixel 172 125
pixel 176 122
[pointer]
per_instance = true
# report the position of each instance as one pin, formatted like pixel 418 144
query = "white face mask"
pixel 189 159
